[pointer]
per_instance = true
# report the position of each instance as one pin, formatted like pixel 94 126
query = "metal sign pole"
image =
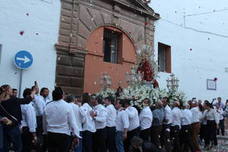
pixel 23 60
pixel 20 82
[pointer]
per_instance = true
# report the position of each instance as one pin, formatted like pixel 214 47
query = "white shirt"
pixel 39 105
pixel 220 113
pixel 203 120
pixel 133 118
pixel 145 118
pixel 122 121
pixel 28 117
pixel 168 116
pixel 196 115
pixel 78 115
pixel 101 118
pixel 111 116
pixel 221 104
pixel 186 117
pixel 211 115
pixel 176 116
pixel 46 100
pixel 88 123
pixel 59 118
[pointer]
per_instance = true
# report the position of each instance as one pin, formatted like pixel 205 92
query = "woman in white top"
pixel 59 123
pixel 212 123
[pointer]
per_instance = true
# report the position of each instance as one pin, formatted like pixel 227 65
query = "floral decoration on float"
pixel 142 82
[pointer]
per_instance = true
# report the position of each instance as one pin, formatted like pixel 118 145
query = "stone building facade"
pixel 90 33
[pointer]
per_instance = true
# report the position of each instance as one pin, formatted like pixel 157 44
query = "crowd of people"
pixel 90 123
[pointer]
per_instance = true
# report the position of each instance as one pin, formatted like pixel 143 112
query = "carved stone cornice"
pixel 146 10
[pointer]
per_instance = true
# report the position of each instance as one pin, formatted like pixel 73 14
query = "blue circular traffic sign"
pixel 23 59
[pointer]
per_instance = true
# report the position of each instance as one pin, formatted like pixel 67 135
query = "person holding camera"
pixel 10 107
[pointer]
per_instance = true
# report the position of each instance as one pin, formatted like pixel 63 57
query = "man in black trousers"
pixel 110 124
pixel 99 115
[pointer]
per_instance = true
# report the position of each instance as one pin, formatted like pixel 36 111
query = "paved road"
pixel 222 145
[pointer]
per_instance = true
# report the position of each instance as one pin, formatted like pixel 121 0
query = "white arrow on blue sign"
pixel 23 59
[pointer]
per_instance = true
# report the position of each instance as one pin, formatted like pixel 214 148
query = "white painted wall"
pixel 39 19
pixel 208 57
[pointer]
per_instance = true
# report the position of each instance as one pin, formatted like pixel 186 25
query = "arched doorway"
pixel 110 51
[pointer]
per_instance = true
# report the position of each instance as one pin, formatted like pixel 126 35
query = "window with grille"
pixel 111 48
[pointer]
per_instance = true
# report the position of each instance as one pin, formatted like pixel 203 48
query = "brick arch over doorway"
pixel 96 65
pixel 80 18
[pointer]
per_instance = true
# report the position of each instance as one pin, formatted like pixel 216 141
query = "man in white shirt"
pixel 212 124
pixel 158 119
pixel 122 125
pixel 176 125
pixel 110 124
pixel 39 105
pixel 88 124
pixel 44 93
pixel 165 135
pixel 59 122
pixel 44 99
pixel 195 124
pixel 133 117
pixel 28 124
pixel 76 109
pixel 145 118
pixel 221 127
pixel 186 130
pixel 220 103
pixel 99 114
pixel 220 106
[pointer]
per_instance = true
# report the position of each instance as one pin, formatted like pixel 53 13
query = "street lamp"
pixel 172 83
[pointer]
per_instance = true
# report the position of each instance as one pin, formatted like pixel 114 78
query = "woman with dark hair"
pixel 59 123
pixel 212 124
pixel 10 106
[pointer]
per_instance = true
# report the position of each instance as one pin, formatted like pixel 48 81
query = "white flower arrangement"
pixel 106 93
pixel 138 92
pixel 138 89
pixel 177 95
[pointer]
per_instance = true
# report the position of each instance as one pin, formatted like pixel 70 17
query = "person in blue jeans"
pixel 3 120
pixel 78 147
